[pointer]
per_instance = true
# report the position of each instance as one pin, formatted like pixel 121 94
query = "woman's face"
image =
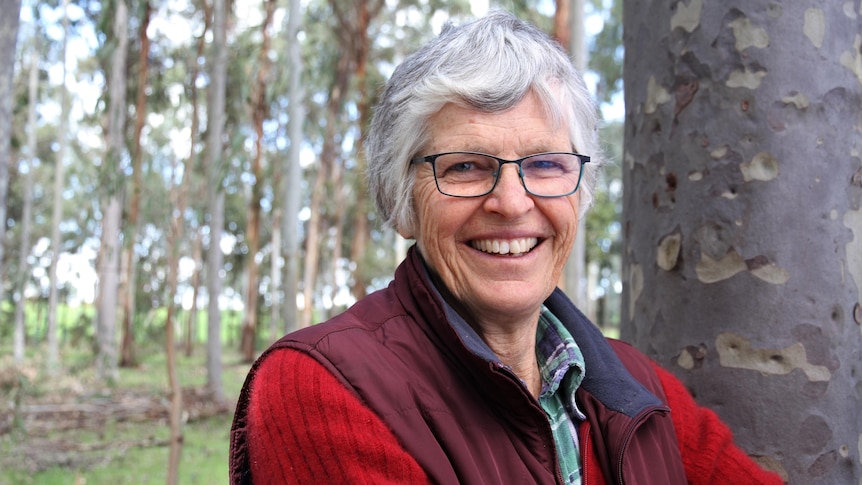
pixel 459 237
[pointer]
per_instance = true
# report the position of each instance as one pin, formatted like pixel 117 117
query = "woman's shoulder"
pixel 639 366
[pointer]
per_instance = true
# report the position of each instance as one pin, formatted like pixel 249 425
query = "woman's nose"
pixel 509 196
pixel 512 181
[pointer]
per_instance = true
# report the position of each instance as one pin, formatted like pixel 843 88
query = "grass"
pixel 118 452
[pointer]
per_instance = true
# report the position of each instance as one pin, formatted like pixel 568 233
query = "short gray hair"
pixel 489 64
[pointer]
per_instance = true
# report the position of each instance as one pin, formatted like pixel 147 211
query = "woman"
pixel 471 367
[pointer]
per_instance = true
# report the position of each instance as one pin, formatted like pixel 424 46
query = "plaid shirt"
pixel 562 367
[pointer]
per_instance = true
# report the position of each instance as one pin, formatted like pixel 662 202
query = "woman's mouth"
pixel 512 247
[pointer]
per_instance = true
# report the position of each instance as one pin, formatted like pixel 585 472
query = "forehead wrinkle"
pixel 463 128
pixel 527 143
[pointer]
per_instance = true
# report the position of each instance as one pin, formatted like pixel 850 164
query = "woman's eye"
pixel 462 167
pixel 542 164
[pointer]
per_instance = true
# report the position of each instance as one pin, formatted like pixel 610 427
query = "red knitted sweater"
pixel 306 427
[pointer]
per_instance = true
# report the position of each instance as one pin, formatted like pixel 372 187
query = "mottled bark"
pixel 742 219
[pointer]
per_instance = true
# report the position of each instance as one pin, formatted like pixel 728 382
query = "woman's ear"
pixel 404 232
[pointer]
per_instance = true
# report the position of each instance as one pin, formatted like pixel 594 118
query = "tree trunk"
pixel 197 250
pixel 112 213
pixel 8 39
pixel 27 212
pixel 109 273
pixel 127 342
pixel 192 322
pixel 52 358
pixel 175 238
pixel 362 48
pixel 292 187
pixel 569 32
pixel 562 23
pixel 742 219
pixel 215 196
pixel 260 112
pixel 312 235
pixel 337 230
pixel 327 159
pixel 276 262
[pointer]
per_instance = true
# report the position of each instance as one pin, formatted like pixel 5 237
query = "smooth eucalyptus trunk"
pixel 742 219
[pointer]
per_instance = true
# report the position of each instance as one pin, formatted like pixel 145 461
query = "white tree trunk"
pixel 112 212
pixel 109 274
pixel 215 197
pixel 27 212
pixel 292 191
pixel 574 273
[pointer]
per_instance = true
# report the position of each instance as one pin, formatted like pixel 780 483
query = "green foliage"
pixel 606 49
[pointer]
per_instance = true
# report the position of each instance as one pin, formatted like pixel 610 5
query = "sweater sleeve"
pixel 706 443
pixel 304 426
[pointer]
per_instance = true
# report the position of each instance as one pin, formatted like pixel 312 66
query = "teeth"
pixel 514 246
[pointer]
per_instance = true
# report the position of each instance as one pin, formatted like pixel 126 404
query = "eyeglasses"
pixel 468 174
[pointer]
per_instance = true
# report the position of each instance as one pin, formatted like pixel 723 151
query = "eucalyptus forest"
pixel 181 183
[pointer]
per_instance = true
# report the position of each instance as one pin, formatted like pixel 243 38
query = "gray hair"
pixel 489 64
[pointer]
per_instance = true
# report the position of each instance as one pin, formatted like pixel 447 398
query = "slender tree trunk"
pixel 569 32
pixel 743 219
pixel 359 245
pixel 192 323
pixel 260 112
pixel 327 159
pixel 337 231
pixel 175 238
pixel 275 275
pixel 53 353
pixel 312 237
pixel 215 196
pixel 27 212
pixel 176 395
pixel 109 251
pixel 197 243
pixel 562 23
pixel 292 186
pixel 127 345
pixel 8 39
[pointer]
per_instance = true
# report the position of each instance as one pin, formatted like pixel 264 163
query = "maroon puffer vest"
pixel 460 413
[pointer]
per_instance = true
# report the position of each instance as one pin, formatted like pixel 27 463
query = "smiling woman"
pixel 472 367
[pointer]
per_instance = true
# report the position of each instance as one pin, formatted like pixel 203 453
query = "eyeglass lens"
pixel 473 175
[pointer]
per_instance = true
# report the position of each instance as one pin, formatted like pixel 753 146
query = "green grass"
pixel 203 460
pixel 118 452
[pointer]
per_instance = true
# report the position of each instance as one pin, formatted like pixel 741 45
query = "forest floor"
pixel 67 430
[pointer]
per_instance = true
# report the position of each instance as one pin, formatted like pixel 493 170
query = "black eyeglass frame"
pixel 432 159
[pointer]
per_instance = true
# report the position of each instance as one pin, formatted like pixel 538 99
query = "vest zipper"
pixel 639 419
pixel 502 369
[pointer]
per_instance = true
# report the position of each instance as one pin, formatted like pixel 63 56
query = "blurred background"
pixel 185 184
